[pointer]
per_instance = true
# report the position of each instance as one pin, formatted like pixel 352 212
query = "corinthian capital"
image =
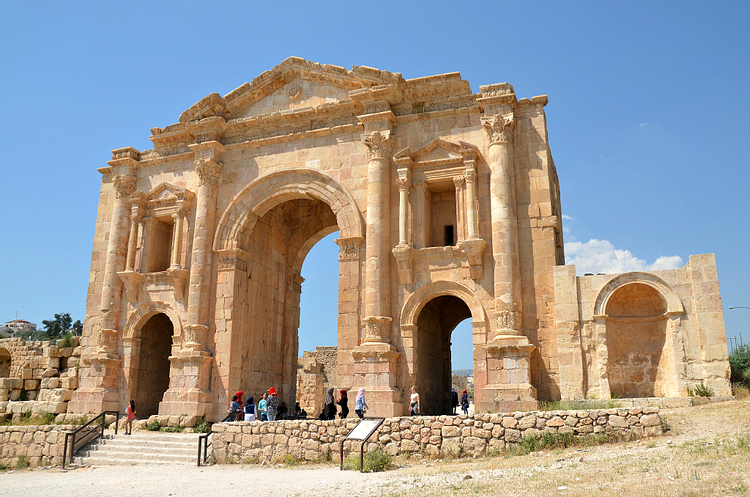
pixel 124 185
pixel 499 128
pixel 379 144
pixel 209 171
pixel 404 184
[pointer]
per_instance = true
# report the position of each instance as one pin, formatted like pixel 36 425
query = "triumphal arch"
pixel 447 205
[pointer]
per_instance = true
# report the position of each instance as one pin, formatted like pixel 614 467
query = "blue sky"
pixel 647 119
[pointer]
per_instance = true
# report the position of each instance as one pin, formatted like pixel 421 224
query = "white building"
pixel 20 325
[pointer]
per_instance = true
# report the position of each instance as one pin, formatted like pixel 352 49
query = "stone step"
pixel 140 448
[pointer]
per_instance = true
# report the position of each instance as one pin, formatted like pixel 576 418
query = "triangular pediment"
pixel 294 84
pixel 166 191
pixel 438 150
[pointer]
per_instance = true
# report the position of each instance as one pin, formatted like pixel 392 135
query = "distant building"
pixel 20 325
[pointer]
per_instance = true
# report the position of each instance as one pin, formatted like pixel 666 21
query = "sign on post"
pixel 364 429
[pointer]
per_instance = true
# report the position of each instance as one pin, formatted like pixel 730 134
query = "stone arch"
pixel 427 321
pixel 265 192
pixel 146 312
pixel 5 362
pixel 426 293
pixel 641 351
pixel 672 301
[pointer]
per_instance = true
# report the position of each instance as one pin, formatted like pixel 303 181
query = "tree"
pixel 739 361
pixel 56 328
pixel 78 328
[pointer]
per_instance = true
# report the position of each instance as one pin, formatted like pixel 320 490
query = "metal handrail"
pixel 203 445
pixel 75 441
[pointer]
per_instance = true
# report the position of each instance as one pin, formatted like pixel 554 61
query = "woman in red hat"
pixel 272 404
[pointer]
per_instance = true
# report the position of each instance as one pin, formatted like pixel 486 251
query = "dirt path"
pixel 707 452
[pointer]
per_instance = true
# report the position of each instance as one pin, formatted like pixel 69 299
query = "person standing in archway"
pixel 415 405
pixel 272 404
pixel 454 400
pixel 465 402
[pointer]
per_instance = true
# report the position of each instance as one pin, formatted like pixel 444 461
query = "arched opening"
pixel 278 244
pixel 435 324
pixel 151 378
pixel 318 329
pixel 4 363
pixel 636 333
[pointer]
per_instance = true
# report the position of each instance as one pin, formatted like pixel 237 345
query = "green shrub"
pixel 22 463
pixel 66 340
pixel 174 429
pixel 153 426
pixel 202 426
pixel 701 390
pixel 374 461
pixel 287 460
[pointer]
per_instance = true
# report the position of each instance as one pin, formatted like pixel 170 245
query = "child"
pixel 130 411
pixel 262 407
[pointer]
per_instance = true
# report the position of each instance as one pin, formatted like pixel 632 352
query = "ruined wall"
pixel 316 373
pixel 639 334
pixel 41 371
pixel 40 445
pixel 431 436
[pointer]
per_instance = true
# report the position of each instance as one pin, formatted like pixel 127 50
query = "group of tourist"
pixel 269 408
pixel 329 407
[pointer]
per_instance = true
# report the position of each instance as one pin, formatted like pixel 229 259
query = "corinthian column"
pixel 117 246
pixel 507 274
pixel 209 172
pixel 377 242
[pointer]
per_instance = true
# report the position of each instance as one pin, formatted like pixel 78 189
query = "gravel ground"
pixel 699 456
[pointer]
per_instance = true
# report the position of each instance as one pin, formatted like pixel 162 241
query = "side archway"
pixel 418 299
pixel 266 192
pixel 641 347
pixel 428 319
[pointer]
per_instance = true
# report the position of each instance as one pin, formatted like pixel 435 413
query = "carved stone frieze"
pixel 499 128
pixel 379 144
pixel 209 171
pixel 124 185
pixel 377 329
pixel 349 248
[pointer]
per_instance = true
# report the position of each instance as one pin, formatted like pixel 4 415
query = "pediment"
pixel 294 84
pixel 166 191
pixel 437 150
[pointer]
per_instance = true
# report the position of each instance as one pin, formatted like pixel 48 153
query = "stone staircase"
pixel 142 447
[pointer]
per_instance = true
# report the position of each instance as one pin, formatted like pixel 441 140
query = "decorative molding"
pixel 209 171
pixel 107 341
pixel 377 329
pixel 132 281
pixel 404 255
pixel 474 249
pixel 379 144
pixel 179 277
pixel 194 337
pixel 233 259
pixel 124 185
pixel 499 128
pixel 349 247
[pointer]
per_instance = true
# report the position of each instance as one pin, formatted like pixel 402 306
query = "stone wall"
pixel 430 436
pixel 316 373
pixel 46 372
pixel 41 445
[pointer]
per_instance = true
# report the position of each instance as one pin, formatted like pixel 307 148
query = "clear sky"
pixel 647 117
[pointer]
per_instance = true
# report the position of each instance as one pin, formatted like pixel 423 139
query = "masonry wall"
pixel 430 436
pixel 40 445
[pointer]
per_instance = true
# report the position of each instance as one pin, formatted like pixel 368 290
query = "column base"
pixel 98 390
pixel 509 377
pixel 189 391
pixel 374 367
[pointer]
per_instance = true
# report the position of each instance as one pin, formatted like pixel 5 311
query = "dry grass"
pixel 707 452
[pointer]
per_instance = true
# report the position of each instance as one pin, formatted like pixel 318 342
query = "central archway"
pixel 274 223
